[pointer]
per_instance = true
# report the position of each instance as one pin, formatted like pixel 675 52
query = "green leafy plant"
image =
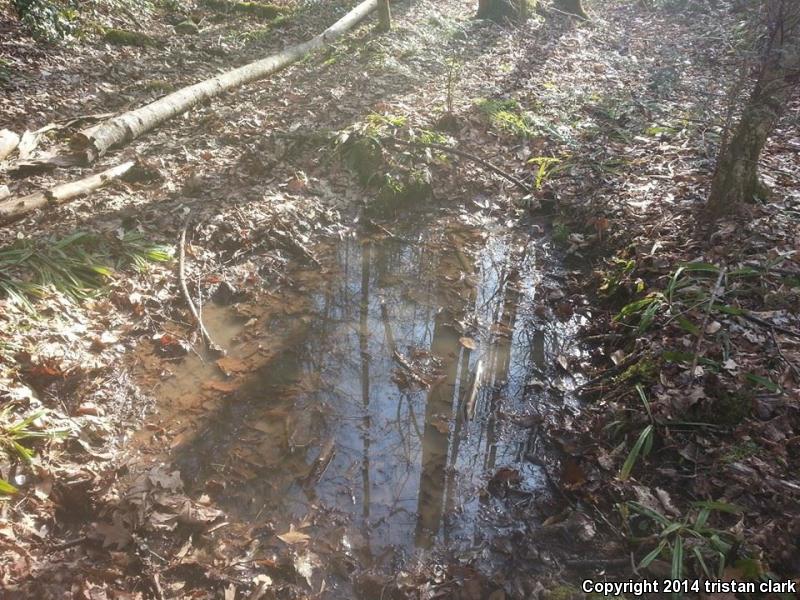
pixel 646 438
pixel 686 542
pixel 547 167
pixel 426 136
pixel 617 279
pixel 561 233
pixel 133 248
pixel 47 19
pixel 77 265
pixel 645 309
pixel 644 443
pixel 15 435
pixel 506 115
pixel 684 291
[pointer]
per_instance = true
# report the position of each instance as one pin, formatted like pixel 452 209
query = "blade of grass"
pixel 627 467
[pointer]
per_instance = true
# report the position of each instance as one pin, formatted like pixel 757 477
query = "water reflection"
pixel 450 306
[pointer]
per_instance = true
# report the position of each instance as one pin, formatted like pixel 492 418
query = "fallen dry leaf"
pixel 294 537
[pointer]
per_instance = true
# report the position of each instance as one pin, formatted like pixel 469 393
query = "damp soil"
pixel 385 408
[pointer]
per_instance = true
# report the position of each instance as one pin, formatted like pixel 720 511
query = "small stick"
pixel 381 228
pixel 474 386
pixel 611 371
pixel 187 296
pixel 597 562
pixel 789 363
pixel 768 325
pixel 154 577
pixel 69 544
pixel 494 168
pixel 403 362
pixel 398 357
pixel 702 334
pixel 321 464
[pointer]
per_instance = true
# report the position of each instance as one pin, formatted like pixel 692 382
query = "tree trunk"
pixel 14 209
pixel 385 15
pixel 573 7
pixel 96 141
pixel 497 10
pixel 736 178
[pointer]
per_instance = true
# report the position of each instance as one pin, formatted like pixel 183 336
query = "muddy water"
pixel 396 398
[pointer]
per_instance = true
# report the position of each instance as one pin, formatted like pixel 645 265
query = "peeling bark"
pixel 13 209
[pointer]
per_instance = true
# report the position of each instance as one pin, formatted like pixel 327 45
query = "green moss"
pixel 562 592
pixel 644 371
pixel 397 190
pixel 157 85
pixel 5 71
pixel 727 408
pixel 379 125
pixel 264 34
pixel 506 115
pixel 187 27
pixel 364 157
pixel 123 37
pixel 262 10
pixel 560 233
pixel 498 10
pixel 740 451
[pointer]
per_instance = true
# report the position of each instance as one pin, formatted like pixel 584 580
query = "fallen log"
pixel 13 209
pixel 95 141
pixel 8 142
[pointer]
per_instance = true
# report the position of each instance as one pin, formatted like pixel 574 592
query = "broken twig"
pixel 701 335
pixel 185 290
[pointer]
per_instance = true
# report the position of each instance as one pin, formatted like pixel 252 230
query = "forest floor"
pixel 628 374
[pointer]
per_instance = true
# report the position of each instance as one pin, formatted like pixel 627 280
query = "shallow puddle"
pixel 399 395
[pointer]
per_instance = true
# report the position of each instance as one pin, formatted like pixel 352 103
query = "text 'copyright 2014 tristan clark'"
pixel 672 586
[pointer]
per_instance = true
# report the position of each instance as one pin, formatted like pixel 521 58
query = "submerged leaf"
pixel 294 537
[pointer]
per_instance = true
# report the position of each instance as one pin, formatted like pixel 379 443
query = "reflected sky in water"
pixel 454 306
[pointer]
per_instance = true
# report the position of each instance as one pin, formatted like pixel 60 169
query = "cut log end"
pixel 8 142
